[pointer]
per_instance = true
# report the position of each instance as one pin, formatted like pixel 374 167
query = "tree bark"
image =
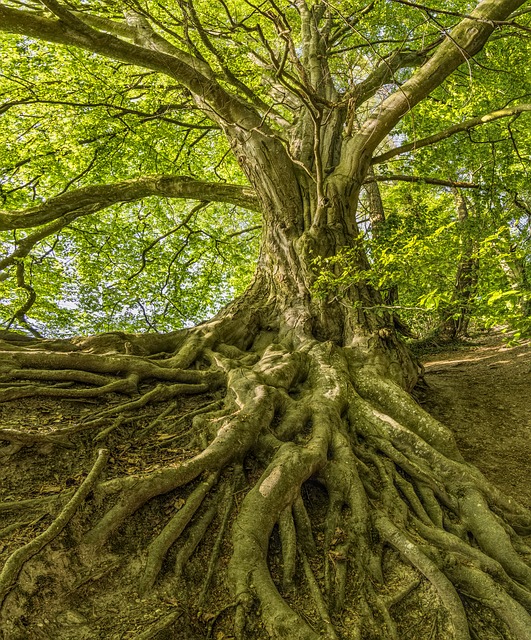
pixel 322 500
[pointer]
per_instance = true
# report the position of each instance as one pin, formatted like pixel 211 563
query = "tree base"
pixel 256 489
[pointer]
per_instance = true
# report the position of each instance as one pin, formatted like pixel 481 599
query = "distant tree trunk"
pixel 456 316
pixel 377 219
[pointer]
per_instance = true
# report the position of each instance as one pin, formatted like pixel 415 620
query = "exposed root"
pixel 275 491
pixel 159 547
pixel 215 617
pixel 6 531
pixel 41 503
pixel 21 439
pixel 232 441
pixel 161 393
pixel 445 589
pixel 396 598
pixel 492 537
pixel 16 560
pixel 115 425
pixel 158 627
pixel 317 597
pixel 216 549
pixel 288 539
pixel 208 411
pixel 202 421
pixel 195 534
pixel 368 496
pixel 158 420
pixel 476 584
pixel 304 528
pixel 65 375
pixel 59 391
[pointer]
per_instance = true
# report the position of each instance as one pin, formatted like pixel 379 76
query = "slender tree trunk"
pixel 377 220
pixel 456 316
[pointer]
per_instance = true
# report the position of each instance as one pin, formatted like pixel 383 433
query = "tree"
pixel 307 440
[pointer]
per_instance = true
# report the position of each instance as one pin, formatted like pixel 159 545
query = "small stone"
pixel 71 617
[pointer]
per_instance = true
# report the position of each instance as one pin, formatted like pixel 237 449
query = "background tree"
pixel 303 437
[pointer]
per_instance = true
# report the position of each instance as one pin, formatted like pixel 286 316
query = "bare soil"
pixel 482 390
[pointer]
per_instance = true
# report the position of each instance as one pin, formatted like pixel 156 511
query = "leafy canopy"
pixel 72 118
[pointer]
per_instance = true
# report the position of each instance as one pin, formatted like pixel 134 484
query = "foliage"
pixel 417 252
pixel 139 269
pixel 72 118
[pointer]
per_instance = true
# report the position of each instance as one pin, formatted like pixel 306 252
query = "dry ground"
pixel 483 392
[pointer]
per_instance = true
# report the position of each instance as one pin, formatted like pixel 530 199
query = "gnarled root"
pixel 318 499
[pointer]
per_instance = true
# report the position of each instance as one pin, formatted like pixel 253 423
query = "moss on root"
pixel 264 486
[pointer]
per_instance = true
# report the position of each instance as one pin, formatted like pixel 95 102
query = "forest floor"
pixel 481 389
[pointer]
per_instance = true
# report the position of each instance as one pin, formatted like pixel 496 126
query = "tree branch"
pixel 145 116
pixel 385 72
pixel 437 181
pixel 227 73
pixel 26 244
pixel 446 133
pixel 69 29
pixel 429 10
pixel 463 42
pixel 88 200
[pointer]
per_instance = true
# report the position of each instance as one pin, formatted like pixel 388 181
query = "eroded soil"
pixel 483 392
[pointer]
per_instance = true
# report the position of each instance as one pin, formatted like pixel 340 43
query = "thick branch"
pixel 221 106
pixel 385 71
pixel 457 128
pixel 463 42
pixel 141 33
pixel 94 198
pixel 26 244
pixel 437 181
pixel 432 10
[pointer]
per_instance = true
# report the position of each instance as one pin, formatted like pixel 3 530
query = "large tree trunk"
pixel 316 496
pixel 322 500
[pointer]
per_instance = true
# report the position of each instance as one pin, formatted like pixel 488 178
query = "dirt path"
pixel 484 394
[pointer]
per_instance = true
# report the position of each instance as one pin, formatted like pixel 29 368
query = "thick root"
pixel 319 500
